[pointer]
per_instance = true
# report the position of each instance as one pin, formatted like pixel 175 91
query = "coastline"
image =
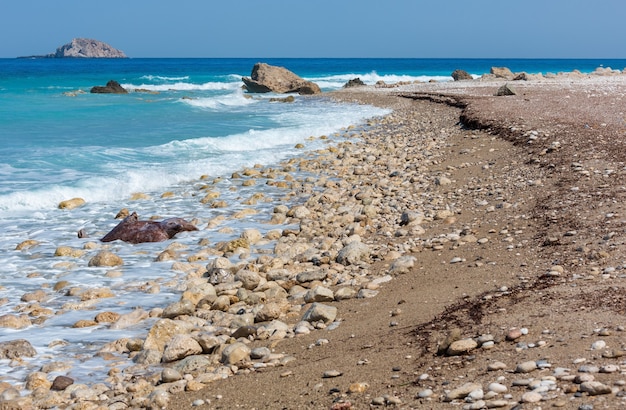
pixel 528 284
pixel 482 200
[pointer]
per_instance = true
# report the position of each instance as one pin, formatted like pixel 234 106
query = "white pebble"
pixel 599 344
pixel 497 388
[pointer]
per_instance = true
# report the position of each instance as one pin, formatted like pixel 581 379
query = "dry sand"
pixel 534 184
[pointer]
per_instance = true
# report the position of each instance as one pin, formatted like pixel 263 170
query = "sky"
pixel 321 28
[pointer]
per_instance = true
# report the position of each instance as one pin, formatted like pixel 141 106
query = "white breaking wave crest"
pixel 163 78
pixel 184 86
pixel 236 99
pixel 338 81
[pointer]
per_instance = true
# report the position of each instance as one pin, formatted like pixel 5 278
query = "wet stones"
pixel 14 349
pixel 105 259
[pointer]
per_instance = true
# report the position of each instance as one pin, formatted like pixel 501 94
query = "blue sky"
pixel 321 28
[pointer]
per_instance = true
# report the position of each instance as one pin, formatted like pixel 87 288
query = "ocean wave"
pixel 371 78
pixel 163 78
pixel 184 86
pixel 236 99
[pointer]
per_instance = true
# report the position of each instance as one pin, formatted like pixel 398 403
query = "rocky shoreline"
pixel 425 263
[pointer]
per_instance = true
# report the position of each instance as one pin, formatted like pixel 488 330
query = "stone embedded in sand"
pixel 594 388
pixel 460 347
pixel 411 217
pixel 504 90
pixel 169 375
pixel 235 353
pixel 322 312
pixel 71 203
pixel 461 392
pixel 345 292
pixel 402 265
pixel 319 294
pixel 105 258
pixel 526 367
pixel 14 349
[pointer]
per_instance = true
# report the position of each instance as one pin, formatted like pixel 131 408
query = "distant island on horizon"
pixel 83 48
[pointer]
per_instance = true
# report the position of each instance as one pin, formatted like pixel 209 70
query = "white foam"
pixel 183 86
pixel 371 78
pixel 236 99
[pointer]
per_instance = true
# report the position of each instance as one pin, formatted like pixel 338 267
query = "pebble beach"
pixel 463 251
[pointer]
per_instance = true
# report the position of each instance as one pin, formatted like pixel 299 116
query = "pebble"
pixel 531 397
pixel 328 374
pixel 599 344
pixel 526 367
pixel 497 388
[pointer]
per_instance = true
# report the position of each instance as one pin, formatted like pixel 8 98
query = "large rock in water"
pixel 112 87
pixel 87 48
pixel 266 78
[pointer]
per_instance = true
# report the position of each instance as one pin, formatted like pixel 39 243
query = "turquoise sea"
pixel 58 141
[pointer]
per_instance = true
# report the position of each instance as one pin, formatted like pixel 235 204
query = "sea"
pixel 183 123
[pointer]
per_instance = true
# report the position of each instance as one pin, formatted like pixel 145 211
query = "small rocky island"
pixel 84 48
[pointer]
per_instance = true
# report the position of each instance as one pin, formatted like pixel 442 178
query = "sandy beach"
pixel 465 251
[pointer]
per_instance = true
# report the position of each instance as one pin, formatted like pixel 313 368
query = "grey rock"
pixel 526 367
pixel 319 311
pixel 179 347
pixel 14 349
pixel 353 253
pixel 169 375
pixel 235 353
pixel 506 89
pixel 180 308
pixel 458 75
pixel 310 276
pixel 319 294
pixel 595 388
pixel 461 392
